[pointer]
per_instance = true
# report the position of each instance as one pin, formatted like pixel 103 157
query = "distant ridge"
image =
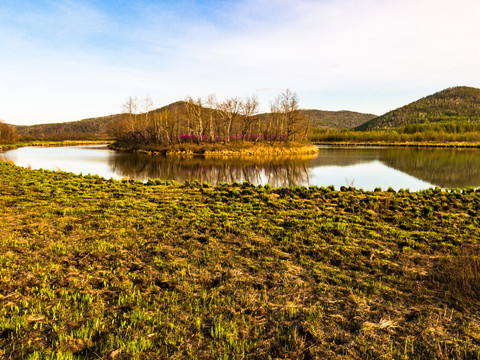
pixel 459 103
pixel 337 120
pixel 100 127
pixel 91 128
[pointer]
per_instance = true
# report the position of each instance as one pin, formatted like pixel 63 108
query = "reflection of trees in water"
pixel 445 167
pixel 442 167
pixel 346 156
pixel 283 171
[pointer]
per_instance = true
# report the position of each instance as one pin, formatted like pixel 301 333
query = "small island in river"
pixel 230 128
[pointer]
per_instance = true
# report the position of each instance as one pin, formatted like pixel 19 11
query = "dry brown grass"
pixel 460 273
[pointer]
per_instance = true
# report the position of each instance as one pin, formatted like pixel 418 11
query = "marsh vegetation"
pixel 92 268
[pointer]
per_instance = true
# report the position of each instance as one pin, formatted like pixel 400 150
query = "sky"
pixel 67 60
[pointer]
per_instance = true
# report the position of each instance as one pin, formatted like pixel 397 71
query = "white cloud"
pixel 366 55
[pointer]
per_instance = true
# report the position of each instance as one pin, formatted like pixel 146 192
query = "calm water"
pixel 362 167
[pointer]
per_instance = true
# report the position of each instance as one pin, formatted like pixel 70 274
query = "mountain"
pixel 454 104
pixel 336 120
pixel 94 128
pixel 101 127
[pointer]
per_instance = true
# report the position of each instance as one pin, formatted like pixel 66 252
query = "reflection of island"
pixel 439 166
pixel 276 171
pixel 444 167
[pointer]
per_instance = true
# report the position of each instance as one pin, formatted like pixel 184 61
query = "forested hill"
pixel 92 128
pixel 336 120
pixel 455 104
pixel 103 127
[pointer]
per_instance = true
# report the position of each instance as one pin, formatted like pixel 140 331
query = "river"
pixel 362 167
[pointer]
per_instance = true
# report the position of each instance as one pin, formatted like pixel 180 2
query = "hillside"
pixel 456 104
pixel 92 128
pixel 336 120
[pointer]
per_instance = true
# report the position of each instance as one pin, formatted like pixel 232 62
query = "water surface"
pixel 362 167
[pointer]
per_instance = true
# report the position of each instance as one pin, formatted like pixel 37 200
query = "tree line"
pixel 208 120
pixel 432 132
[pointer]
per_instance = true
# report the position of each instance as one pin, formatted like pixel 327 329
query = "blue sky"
pixel 67 60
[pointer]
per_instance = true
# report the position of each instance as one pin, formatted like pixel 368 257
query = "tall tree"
pixel 195 112
pixel 289 109
pixel 249 108
pixel 289 119
pixel 212 104
pixel 230 111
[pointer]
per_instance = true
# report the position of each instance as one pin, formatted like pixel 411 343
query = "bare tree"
pixel 238 116
pixel 275 121
pixel 248 111
pixel 196 116
pixel 230 111
pixel 296 124
pixel 131 122
pixel 130 108
pixel 147 106
pixel 288 121
pixel 163 127
pixel 212 104
pixel 289 109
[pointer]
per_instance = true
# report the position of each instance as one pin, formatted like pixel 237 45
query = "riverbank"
pixel 429 135
pixel 5 147
pixel 94 268
pixel 233 149
pixel 470 145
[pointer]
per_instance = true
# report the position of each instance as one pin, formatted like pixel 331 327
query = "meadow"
pixel 93 268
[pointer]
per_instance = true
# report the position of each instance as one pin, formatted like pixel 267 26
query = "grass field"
pixel 93 268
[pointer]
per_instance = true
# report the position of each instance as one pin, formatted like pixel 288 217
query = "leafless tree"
pixel 195 113
pixel 249 108
pixel 289 121
pixel 212 104
pixel 147 106
pixel 233 116
pixel 230 111
pixel 130 108
pixel 275 121
pixel 291 116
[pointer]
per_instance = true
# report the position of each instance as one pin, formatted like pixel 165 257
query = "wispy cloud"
pixel 86 57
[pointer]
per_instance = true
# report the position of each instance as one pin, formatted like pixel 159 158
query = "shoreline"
pixel 213 151
pixel 400 144
pixel 6 147
pixel 250 151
